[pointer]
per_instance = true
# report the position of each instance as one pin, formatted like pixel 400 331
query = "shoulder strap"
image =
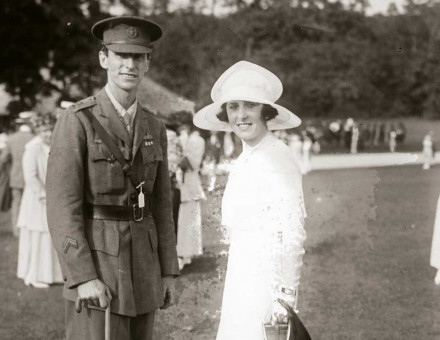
pixel 111 145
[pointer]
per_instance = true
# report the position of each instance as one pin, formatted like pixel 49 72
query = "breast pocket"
pixel 105 173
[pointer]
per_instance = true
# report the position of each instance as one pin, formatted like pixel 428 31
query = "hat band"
pixel 143 43
pixel 243 92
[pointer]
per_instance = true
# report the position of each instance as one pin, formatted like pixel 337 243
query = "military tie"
pixel 127 121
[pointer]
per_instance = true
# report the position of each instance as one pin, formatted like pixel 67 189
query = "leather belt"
pixel 115 212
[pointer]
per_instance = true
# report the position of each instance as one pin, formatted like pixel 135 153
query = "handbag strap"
pixel 298 329
pixel 289 309
pixel 111 145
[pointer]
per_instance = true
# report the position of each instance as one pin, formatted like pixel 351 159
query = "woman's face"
pixel 46 135
pixel 246 121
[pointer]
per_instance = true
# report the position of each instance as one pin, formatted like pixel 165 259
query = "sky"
pixel 381 6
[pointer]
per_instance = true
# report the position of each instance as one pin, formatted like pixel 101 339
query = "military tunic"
pixel 130 257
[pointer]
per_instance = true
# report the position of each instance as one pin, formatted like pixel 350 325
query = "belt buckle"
pixel 136 215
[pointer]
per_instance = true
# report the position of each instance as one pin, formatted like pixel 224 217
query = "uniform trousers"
pixel 17 193
pixel 90 325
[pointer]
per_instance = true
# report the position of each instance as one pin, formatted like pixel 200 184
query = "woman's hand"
pixel 279 314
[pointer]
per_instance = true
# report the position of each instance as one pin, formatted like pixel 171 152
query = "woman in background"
pixel 5 166
pixel 189 231
pixel 37 260
pixel 262 206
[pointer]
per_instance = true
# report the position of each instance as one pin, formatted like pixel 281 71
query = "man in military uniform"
pixel 114 234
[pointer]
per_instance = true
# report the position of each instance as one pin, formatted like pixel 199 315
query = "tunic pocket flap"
pixel 97 154
pixel 102 238
pixel 151 154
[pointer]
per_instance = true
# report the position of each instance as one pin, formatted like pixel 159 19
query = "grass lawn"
pixel 366 273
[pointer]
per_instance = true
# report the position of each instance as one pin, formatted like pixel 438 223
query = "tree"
pixel 47 47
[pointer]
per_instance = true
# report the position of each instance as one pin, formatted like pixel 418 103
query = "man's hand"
pixel 169 292
pixel 94 293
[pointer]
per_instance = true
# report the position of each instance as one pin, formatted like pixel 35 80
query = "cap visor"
pixel 129 48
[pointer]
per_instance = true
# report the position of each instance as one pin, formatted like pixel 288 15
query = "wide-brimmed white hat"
pixel 249 82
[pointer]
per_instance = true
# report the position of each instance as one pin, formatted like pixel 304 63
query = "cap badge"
pixel 132 32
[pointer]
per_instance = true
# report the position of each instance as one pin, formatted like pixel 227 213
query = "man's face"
pixel 124 70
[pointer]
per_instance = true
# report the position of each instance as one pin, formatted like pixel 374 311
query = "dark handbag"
pixel 185 165
pixel 293 330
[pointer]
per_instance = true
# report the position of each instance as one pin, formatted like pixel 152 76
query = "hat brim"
pixel 206 118
pixel 154 30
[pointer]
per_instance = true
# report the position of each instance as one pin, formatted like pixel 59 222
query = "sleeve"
pixel 65 195
pixel 284 211
pixel 162 214
pixel 30 172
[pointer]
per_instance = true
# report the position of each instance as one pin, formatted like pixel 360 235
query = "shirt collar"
pixel 119 108
pixel 267 139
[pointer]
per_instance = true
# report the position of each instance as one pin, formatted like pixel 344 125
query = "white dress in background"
pixel 296 146
pixel 228 145
pixel 189 231
pixel 306 148
pixel 428 152
pixel 37 259
pixel 263 209
pixel 435 246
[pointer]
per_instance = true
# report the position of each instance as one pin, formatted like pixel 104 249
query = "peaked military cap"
pixel 127 34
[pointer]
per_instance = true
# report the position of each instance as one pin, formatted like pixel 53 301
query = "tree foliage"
pixel 333 60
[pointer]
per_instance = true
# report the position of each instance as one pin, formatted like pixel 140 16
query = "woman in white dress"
pixel 435 246
pixel 189 231
pixel 37 260
pixel 262 206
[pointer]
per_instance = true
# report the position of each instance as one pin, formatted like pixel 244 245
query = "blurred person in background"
pixel 189 233
pixel 174 159
pixel 183 132
pixel 428 150
pixel 401 133
pixel 435 245
pixel 377 133
pixel 335 130
pixel 295 146
pixel 393 140
pixel 211 160
pixel 354 139
pixel 386 133
pixel 263 206
pixel 5 166
pixel 228 146
pixel 347 132
pixel 306 152
pixel 14 154
pixel 38 263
